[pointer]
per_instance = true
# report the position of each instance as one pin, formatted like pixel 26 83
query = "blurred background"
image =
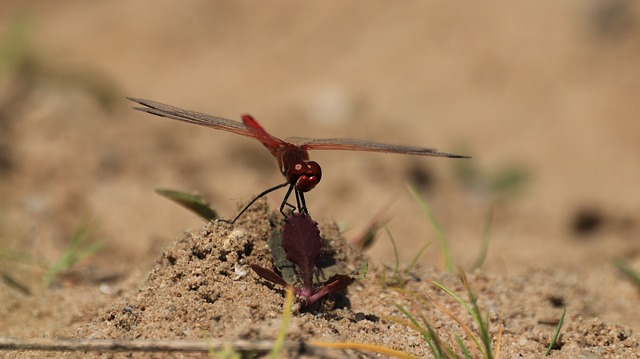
pixel 544 96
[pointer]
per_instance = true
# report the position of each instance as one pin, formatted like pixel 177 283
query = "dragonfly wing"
pixel 362 145
pixel 168 111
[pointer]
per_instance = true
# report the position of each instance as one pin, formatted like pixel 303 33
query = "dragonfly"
pixel 292 154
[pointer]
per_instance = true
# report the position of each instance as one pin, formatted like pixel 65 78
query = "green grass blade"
pixel 396 256
pixel 463 347
pixel 286 319
pixel 436 352
pixel 628 271
pixel 192 202
pixel 557 333
pixel 383 277
pixel 482 324
pixel 459 300
pixel 471 335
pixel 415 258
pixel 486 238
pixel 77 249
pixel 484 331
pixel 89 250
pixel 508 181
pixel 444 243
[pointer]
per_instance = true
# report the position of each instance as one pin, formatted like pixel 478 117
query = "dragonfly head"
pixel 304 175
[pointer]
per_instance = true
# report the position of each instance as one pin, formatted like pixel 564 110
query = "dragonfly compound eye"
pixel 305 175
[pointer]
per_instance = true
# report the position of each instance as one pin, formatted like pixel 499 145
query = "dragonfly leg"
pixel 284 202
pixel 302 205
pixel 291 207
pixel 258 197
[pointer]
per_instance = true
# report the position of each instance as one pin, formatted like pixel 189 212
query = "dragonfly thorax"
pixel 305 175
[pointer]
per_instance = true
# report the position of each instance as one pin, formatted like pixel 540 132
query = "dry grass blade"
pixel 365 240
pixel 496 351
pixel 481 339
pixel 364 347
pixel 404 323
pixel 457 319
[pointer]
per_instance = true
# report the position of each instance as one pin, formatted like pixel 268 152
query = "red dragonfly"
pixel 292 154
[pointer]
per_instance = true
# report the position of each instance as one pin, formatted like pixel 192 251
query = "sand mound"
pixel 202 287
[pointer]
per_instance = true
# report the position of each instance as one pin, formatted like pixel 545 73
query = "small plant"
pixel 81 246
pixel 399 278
pixel 295 253
pixel 449 345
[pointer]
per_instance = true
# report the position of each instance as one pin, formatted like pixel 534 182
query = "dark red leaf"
pixel 338 283
pixel 269 275
pixel 302 243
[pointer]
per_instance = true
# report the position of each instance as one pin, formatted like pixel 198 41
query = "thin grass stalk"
pixel 396 256
pixel 464 326
pixel 431 342
pixel 442 308
pixel 556 334
pixel 483 324
pixel 444 243
pixel 459 300
pixel 404 323
pixel 486 238
pixel 416 257
pixel 286 319
pixel 463 347
pixel 628 271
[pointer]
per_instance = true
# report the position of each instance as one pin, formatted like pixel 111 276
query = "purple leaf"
pixel 338 283
pixel 269 275
pixel 302 243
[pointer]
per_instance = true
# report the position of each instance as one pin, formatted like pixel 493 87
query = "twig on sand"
pixel 107 345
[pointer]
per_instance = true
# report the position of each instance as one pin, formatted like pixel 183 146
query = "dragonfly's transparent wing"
pixel 219 123
pixel 362 145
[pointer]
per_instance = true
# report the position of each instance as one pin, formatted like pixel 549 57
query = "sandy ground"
pixel 543 91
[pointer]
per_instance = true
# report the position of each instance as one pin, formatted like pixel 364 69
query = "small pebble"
pixel 522 341
pixel 105 289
